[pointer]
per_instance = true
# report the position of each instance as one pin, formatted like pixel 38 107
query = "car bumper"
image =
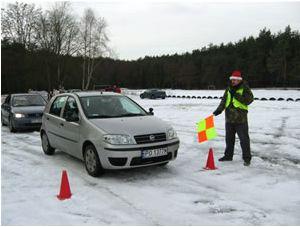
pixel 116 157
pixel 27 123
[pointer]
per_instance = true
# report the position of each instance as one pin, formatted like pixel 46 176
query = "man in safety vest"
pixel 235 101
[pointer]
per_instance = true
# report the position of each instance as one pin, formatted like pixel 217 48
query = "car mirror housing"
pixel 151 111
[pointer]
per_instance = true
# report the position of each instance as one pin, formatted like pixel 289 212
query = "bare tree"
pixel 57 33
pixel 19 22
pixel 93 44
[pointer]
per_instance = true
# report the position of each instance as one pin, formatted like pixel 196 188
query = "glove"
pixel 217 112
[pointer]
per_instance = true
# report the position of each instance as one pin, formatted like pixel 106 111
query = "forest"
pixel 44 60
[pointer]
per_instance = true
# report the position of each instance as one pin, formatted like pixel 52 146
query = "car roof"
pixel 94 93
pixel 25 94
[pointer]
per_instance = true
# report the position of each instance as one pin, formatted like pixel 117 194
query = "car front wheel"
pixel 92 162
pixel 48 150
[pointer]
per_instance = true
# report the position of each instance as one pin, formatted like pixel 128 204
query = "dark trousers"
pixel 242 131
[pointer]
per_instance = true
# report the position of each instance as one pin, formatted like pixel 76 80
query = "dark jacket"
pixel 232 114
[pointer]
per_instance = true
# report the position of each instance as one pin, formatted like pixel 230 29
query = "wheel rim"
pixel 45 143
pixel 90 160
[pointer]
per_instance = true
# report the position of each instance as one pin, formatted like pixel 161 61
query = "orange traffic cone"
pixel 210 164
pixel 65 191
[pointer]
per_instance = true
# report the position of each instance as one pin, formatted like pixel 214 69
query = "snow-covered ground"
pixel 182 193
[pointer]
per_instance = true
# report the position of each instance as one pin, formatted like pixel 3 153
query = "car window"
pixel 57 105
pixel 129 106
pixel 71 109
pixel 28 100
pixel 110 106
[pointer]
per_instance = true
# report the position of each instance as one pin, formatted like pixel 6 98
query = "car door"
pixel 54 122
pixel 70 128
pixel 5 109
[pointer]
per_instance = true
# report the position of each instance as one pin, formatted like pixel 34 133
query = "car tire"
pixel 142 96
pixel 92 161
pixel 152 96
pixel 48 150
pixel 10 126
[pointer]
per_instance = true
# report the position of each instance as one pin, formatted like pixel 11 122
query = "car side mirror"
pixel 6 106
pixel 151 111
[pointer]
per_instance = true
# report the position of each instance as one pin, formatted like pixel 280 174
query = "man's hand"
pixel 217 112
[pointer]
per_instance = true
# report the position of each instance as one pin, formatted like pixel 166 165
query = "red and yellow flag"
pixel 206 129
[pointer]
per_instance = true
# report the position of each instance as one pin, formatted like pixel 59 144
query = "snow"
pixel 258 93
pixel 181 193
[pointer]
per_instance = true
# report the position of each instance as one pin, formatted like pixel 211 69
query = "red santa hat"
pixel 236 75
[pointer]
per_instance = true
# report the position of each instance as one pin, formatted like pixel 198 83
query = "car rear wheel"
pixel 10 126
pixel 48 150
pixel 92 162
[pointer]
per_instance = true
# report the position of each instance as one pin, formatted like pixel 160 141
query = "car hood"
pixel 131 125
pixel 28 109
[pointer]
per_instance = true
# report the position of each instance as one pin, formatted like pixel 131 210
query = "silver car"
pixel 107 131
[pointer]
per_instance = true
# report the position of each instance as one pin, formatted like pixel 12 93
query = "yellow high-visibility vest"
pixel 235 102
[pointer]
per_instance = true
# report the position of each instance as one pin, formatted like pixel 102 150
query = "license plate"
pixel 154 153
pixel 36 121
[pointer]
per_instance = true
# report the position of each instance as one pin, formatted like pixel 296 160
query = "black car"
pixel 22 111
pixel 153 94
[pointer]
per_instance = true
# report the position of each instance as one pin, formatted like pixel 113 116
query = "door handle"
pixel 61 124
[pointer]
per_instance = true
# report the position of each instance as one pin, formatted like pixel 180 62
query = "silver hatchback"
pixel 107 131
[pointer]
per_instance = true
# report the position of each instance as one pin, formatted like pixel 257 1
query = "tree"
pixel 19 22
pixel 58 31
pixel 93 44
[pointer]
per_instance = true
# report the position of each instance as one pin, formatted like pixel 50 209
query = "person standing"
pixel 235 102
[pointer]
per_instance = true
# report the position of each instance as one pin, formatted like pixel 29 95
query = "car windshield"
pixel 28 100
pixel 110 107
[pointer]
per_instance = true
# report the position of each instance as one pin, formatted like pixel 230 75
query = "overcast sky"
pixel 153 27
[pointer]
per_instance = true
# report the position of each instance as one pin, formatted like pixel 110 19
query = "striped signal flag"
pixel 206 129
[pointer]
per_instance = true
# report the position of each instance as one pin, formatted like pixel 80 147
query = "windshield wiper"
pixel 101 116
pixel 131 115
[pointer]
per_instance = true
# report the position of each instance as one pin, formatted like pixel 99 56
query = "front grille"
pixel 35 115
pixel 150 138
pixel 139 161
pixel 117 161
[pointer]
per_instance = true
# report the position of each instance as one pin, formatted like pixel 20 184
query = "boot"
pixel 225 158
pixel 247 163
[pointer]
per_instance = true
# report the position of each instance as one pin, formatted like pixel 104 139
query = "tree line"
pixel 43 50
pixel 51 37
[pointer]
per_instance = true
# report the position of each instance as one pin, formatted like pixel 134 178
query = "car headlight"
pixel 118 139
pixel 171 134
pixel 19 115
